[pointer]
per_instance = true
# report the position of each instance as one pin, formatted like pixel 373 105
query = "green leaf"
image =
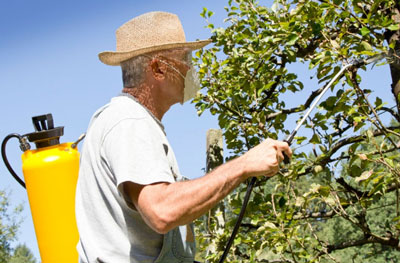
pixel 324 191
pixel 315 139
pixel 315 188
pixel 292 39
pixel 378 102
pixel 394 27
pixel 282 201
pixel 265 87
pixel 330 201
pixel 366 46
pixel 355 170
pixel 269 225
pixel 364 176
pixel 300 139
pixel 325 6
pixel 203 13
pixel 364 31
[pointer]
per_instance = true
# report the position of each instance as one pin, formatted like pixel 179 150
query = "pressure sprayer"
pixel 289 139
pixel 50 173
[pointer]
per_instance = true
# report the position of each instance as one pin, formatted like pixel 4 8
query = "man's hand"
pixel 264 159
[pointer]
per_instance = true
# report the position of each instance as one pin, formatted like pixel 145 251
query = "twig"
pixel 382 126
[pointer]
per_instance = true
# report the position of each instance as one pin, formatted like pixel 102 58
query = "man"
pixel 132 204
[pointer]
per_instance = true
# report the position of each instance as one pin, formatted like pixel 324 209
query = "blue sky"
pixel 49 64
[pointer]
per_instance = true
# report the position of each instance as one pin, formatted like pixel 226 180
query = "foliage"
pixel 22 254
pixel 332 204
pixel 8 226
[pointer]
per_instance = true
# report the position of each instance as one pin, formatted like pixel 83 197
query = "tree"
pixel 324 206
pixel 8 226
pixel 22 254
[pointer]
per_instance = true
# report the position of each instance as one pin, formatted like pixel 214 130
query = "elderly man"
pixel 132 204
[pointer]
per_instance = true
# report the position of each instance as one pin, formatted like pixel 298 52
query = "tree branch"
pixel 328 214
pixel 349 188
pixel 385 241
pixel 337 146
pixel 381 125
pixel 392 112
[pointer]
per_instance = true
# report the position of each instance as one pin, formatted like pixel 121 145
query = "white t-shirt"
pixel 124 142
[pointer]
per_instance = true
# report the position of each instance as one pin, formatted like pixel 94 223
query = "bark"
pixel 391 36
pixel 215 157
pixel 385 241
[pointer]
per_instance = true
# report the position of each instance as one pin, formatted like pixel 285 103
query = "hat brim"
pixel 114 58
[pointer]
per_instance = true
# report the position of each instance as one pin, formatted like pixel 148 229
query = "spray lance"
pixel 356 63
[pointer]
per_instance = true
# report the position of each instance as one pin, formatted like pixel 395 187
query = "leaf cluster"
pixel 352 164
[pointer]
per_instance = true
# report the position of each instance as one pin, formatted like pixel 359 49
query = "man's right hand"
pixel 264 159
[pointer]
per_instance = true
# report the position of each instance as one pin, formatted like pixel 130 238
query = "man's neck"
pixel 144 97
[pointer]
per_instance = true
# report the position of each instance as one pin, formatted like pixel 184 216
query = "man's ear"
pixel 158 69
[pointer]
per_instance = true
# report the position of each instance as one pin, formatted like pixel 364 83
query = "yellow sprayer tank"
pixel 51 173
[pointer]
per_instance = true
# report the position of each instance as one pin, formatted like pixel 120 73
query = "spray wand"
pixel 289 139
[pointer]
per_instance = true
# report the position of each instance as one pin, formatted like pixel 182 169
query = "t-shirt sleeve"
pixel 134 152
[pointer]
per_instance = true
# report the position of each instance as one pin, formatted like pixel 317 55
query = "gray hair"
pixel 134 69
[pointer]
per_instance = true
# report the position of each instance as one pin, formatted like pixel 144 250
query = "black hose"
pixel 250 186
pixel 240 217
pixel 4 156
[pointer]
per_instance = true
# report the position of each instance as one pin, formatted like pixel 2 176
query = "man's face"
pixel 178 63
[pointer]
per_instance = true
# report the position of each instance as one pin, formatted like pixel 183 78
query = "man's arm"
pixel 165 206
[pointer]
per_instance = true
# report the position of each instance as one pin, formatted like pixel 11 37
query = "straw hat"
pixel 154 31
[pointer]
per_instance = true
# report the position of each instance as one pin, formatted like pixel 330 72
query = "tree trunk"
pixel 391 36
